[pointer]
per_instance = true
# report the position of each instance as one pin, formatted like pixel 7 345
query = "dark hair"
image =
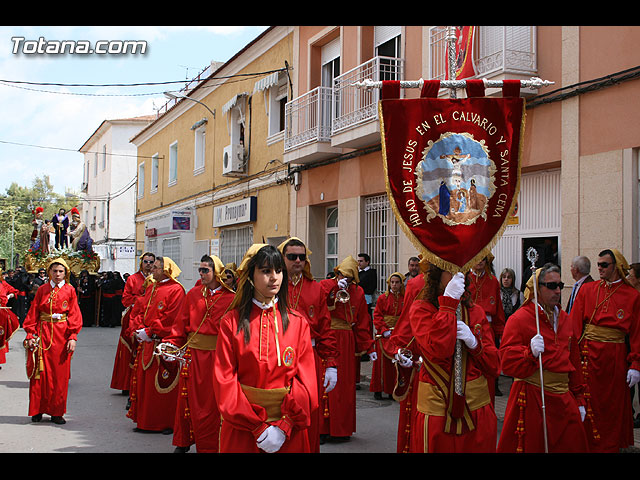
pixel 636 269
pixel 608 252
pixel 365 256
pixel 149 254
pixel 430 291
pixel 294 242
pixel 208 260
pixel 548 268
pixel 267 256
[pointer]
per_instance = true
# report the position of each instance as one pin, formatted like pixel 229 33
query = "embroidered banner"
pixel 464 53
pixel 452 168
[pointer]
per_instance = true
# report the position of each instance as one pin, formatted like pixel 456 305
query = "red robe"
pixel 522 428
pixel 153 407
pixel 9 321
pixel 48 388
pixel 273 359
pixel 197 416
pixel 402 337
pixel 435 333
pixel 121 376
pixel 605 362
pixel 351 326
pixel 307 299
pixel 385 317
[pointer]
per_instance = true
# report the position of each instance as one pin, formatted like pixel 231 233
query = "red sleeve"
pixel 435 329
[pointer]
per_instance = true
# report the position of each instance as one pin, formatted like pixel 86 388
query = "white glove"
pixel 142 335
pixel 633 377
pixel 271 439
pixel 342 283
pixel 10 296
pixel 386 333
pixel 330 378
pixel 463 333
pixel 537 345
pixel 583 412
pixel 403 361
pixel 56 316
pixel 455 287
pixel 373 356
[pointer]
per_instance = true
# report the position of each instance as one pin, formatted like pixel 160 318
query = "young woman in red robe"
pixel 52 326
pixel 264 369
pixel 9 321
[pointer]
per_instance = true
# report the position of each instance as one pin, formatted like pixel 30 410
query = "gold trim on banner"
pixel 426 254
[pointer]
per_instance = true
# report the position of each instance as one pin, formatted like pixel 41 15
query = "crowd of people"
pixel 261 357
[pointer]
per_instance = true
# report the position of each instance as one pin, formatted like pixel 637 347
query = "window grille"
pixel 381 238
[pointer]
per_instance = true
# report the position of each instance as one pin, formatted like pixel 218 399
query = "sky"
pixel 42 127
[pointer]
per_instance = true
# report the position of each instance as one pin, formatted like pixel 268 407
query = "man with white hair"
pixel 580 269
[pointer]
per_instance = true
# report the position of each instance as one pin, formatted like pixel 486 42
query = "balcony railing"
pixel 497 50
pixel 308 118
pixel 353 106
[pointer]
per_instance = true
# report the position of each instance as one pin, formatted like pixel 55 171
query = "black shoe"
pixel 340 439
pixel 181 450
pixel 377 395
pixel 167 431
pixel 498 392
pixel 58 420
pixel 323 438
pixel 36 418
pixel 128 406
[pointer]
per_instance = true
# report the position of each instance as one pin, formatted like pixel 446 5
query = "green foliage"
pixel 17 207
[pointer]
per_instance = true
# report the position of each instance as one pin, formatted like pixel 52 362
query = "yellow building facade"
pixel 211 179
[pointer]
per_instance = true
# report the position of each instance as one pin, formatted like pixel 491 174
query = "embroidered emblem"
pixel 161 305
pixel 311 311
pixel 620 314
pixel 65 305
pixel 1 331
pixel 477 329
pixel 288 356
pixel 165 374
pixel 492 300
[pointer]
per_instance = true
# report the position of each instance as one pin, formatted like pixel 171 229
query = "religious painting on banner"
pixel 452 168
pixel 464 53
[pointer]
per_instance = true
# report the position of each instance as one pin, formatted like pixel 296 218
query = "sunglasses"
pixel 148 261
pixel 604 264
pixel 293 256
pixel 553 285
pixel 204 270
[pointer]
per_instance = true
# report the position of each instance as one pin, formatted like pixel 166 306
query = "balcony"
pixel 355 113
pixel 323 121
pixel 500 52
pixel 307 127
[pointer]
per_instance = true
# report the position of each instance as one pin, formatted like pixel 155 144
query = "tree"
pixel 17 206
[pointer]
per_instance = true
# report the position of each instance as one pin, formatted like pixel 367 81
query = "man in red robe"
pixel 520 350
pixel 153 392
pixel 351 325
pixel 9 321
pixel 194 336
pixel 385 316
pixel 133 289
pixel 52 326
pixel 305 297
pixel 485 292
pixel 447 419
pixel 603 314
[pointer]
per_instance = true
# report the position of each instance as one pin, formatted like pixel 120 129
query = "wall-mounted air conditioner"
pixel 233 159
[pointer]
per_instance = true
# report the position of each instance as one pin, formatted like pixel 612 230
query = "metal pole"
pixel 533 82
pixel 532 255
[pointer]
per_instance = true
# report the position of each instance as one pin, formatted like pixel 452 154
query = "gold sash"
pixel 603 334
pixel 553 382
pixel 391 320
pixel 201 341
pixel 431 401
pixel 339 324
pixel 269 399
pixel 47 317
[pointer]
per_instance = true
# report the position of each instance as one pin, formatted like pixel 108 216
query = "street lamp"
pixel 173 96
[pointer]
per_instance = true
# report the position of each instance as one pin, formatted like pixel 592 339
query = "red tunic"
pixel 273 359
pixel 121 376
pixel 522 428
pixel 48 388
pixel 385 317
pixel 402 337
pixel 153 408
pixel 197 325
pixel 485 292
pixel 9 321
pixel 350 323
pixel 605 361
pixel 307 299
pixel 435 334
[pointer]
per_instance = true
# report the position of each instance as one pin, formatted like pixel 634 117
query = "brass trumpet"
pixel 342 296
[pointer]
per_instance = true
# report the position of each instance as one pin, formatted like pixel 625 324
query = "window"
pixel 234 243
pixel 95 164
pixel 381 237
pixel 388 45
pixel 155 170
pixel 141 180
pixel 173 163
pixel 331 244
pixel 277 101
pixel 104 157
pixel 171 248
pixel 200 144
